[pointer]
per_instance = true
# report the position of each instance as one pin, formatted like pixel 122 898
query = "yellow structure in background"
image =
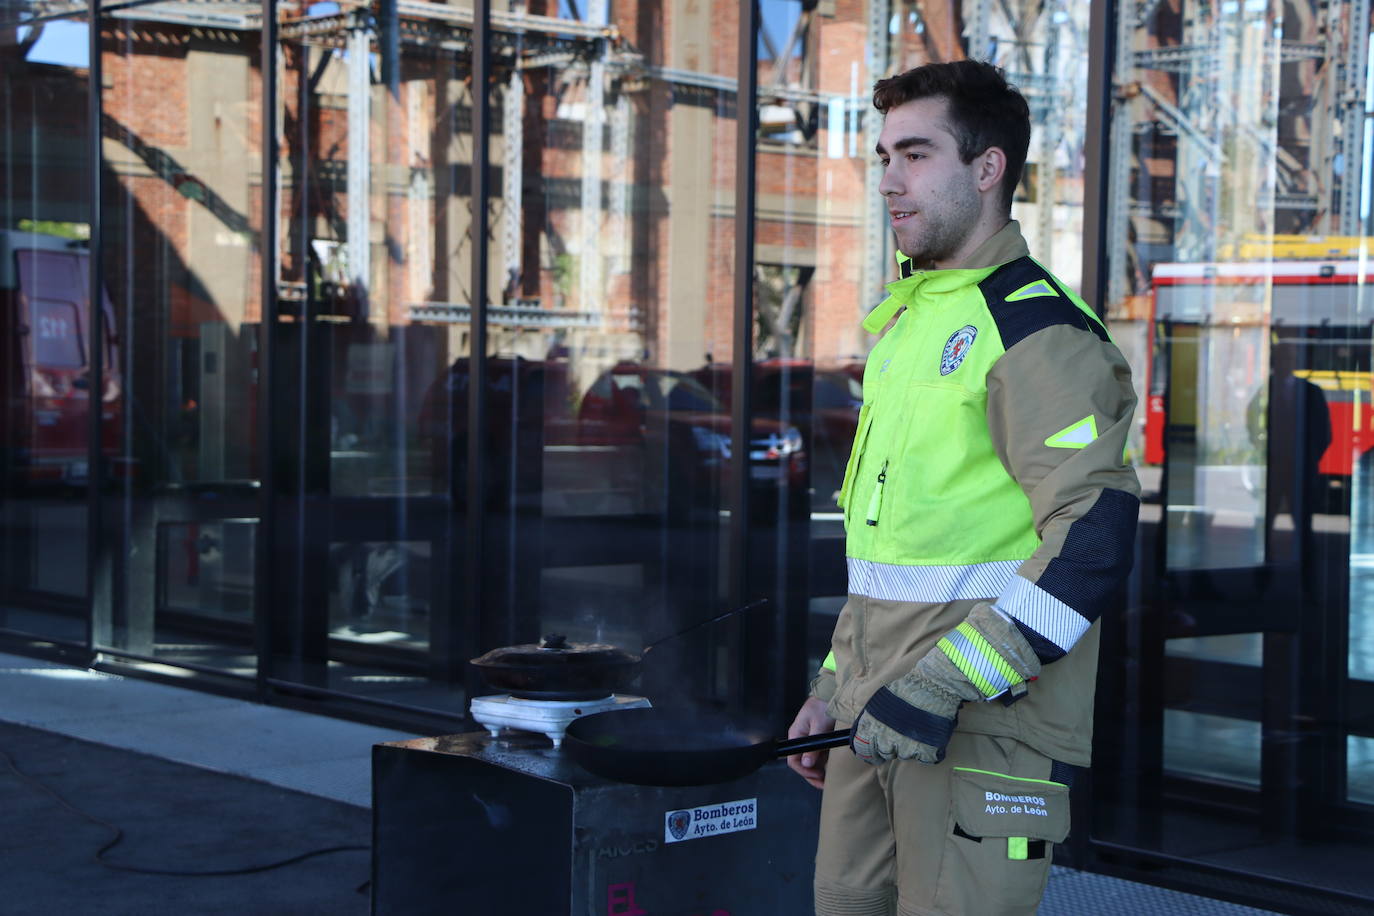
pixel 1296 247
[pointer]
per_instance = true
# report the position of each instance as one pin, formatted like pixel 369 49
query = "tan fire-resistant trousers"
pixel 971 836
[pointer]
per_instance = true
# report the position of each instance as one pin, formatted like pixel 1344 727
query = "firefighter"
pixel 990 521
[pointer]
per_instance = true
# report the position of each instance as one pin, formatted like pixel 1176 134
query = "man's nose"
pixel 889 184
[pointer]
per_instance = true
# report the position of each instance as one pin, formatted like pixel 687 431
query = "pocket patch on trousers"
pixel 996 805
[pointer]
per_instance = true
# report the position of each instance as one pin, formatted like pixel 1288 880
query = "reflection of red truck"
pixel 1319 308
pixel 45 330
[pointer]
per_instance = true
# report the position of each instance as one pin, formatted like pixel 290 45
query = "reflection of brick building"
pixel 649 277
pixel 45 149
pixel 179 184
pixel 612 182
pixel 181 132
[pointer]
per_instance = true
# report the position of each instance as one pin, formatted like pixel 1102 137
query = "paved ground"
pixel 197 783
pixel 73 796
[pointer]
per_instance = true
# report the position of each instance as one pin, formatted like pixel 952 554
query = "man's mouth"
pixel 900 216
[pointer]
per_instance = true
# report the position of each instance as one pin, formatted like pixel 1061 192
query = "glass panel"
pixel 45 384
pixel 1236 249
pixel 1214 333
pixel 209 568
pixel 819 259
pixel 372 350
pixel 611 338
pixel 1241 648
pixel 1213 747
pixel 181 131
pixel 380 592
pixel 1360 769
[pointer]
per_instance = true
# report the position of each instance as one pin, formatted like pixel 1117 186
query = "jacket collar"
pixel 1006 245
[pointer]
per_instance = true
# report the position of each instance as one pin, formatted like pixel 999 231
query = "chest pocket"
pixel 945 466
pixel 945 449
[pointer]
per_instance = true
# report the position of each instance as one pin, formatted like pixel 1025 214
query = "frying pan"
pixel 660 747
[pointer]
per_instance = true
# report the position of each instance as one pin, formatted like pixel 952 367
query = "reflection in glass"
pixel 1212 747
pixel 1360 769
pixel 616 254
pixel 181 259
pixel 46 387
pixel 1237 278
pixel 375 307
pixel 208 568
pixel 1210 332
pixel 381 592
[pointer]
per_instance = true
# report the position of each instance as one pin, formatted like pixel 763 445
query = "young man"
pixel 990 521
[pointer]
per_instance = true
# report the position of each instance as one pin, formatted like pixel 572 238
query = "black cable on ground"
pixel 99 857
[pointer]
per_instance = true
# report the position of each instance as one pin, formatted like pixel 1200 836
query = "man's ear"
pixel 992 166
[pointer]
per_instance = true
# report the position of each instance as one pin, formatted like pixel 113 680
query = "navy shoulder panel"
pixel 1031 312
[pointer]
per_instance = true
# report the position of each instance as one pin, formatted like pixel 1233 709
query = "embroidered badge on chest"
pixel 956 348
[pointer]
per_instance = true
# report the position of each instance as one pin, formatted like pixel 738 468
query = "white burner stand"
pixel 548 717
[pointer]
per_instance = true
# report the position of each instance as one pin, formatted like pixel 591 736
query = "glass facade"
pixel 1235 277
pixel 343 344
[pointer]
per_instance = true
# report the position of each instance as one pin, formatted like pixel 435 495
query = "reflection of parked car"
pixel 526 401
pixel 672 415
pixel 641 441
pixel 821 403
pixel 835 401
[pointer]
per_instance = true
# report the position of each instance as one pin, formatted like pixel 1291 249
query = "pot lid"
pixel 555 650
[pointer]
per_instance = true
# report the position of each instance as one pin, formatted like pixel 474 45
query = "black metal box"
pixel 468 824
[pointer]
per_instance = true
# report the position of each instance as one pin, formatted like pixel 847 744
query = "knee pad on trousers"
pixel 845 901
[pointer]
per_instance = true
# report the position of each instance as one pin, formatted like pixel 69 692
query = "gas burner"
pixel 549 717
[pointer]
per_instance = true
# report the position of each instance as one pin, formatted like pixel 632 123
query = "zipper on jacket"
pixel 875 502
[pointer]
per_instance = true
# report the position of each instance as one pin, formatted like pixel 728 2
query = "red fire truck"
pixel 1226 326
pixel 46 386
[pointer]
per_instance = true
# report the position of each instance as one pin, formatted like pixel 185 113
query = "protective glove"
pixel 913 717
pixel 823 685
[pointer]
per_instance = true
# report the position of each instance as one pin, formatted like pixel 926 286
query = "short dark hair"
pixel 984 109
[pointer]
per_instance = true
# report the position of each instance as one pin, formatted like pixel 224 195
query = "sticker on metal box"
pixel 710 820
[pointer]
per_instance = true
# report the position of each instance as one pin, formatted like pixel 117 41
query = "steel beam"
pixel 359 215
pixel 526 313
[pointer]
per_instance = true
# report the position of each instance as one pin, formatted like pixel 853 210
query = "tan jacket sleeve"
pixel 1060 404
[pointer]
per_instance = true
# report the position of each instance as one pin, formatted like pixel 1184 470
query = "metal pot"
pixel 555 669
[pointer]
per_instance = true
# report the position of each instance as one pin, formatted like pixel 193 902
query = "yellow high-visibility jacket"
pixel 988 467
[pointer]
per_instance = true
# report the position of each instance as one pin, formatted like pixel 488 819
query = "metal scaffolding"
pixel 1027 37
pixel 593 136
pixel 1352 32
pixel 359 156
pixel 513 163
pixel 878 245
pixel 1249 118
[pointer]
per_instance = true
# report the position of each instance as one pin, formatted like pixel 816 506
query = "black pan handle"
pixel 822 742
pixel 757 602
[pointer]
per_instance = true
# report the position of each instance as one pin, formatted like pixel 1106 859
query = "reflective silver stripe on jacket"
pixel 976 659
pixel 1042 612
pixel 929 584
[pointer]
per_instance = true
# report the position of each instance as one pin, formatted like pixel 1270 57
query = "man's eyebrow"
pixel 906 143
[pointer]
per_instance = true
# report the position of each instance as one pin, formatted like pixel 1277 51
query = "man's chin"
pixel 915 249
pixel 920 260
